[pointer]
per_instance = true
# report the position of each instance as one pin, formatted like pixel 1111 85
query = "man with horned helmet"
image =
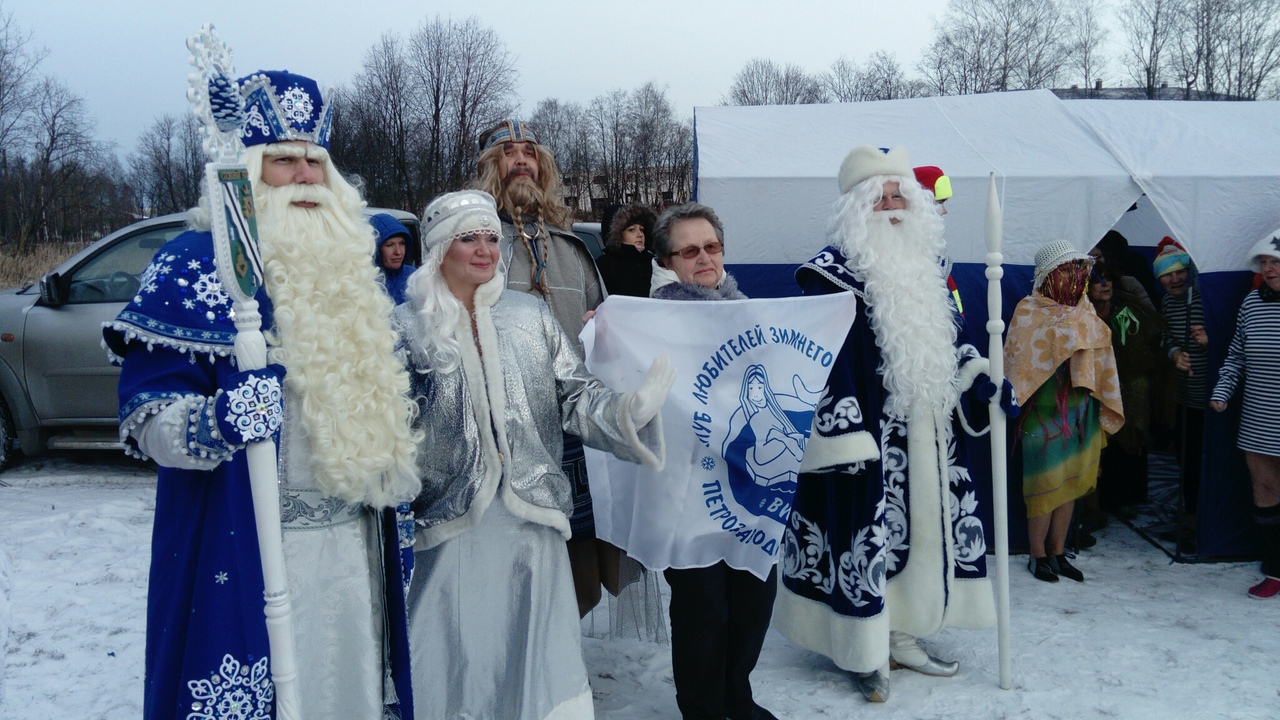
pixel 543 258
pixel 335 391
pixel 884 544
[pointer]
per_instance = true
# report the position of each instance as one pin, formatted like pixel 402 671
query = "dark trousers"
pixel 1189 436
pixel 719 617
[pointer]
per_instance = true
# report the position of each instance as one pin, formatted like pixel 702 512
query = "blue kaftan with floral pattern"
pixel 884 532
pixel 207 650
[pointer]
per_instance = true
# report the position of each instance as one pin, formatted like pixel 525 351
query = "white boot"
pixel 905 652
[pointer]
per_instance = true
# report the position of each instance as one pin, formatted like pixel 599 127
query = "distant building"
pixel 1164 92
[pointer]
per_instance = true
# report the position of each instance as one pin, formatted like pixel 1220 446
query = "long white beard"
pixel 332 332
pixel 910 312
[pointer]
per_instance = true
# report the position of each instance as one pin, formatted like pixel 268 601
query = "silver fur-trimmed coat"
pixel 494 425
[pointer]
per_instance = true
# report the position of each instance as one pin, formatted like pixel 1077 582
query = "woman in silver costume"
pixel 493 620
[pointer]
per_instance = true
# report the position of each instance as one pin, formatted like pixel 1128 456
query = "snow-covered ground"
pixel 1142 638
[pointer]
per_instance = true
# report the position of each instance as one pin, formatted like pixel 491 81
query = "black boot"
pixel 1065 569
pixel 1268 521
pixel 1042 569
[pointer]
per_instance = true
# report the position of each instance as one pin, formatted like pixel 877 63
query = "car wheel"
pixel 7 436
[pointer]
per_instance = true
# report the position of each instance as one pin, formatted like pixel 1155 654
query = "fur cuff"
pixel 970 371
pixel 824 452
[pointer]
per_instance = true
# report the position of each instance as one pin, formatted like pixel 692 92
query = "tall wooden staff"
pixel 999 473
pixel 216 102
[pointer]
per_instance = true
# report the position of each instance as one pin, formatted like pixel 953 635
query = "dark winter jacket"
pixel 626 270
pixel 395 281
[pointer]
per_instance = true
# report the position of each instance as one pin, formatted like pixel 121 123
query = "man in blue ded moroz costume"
pixel 335 391
pixel 884 544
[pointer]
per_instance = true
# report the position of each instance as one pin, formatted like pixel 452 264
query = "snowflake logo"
pixel 220 578
pixel 233 692
pixel 296 104
pixel 708 463
pixel 209 290
pixel 253 407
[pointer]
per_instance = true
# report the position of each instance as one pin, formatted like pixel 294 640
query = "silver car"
pixel 57 390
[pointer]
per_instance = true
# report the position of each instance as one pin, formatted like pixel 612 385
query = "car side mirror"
pixel 51 290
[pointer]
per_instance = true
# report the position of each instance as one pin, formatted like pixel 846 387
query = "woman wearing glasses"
pixel 719 614
pixel 688 243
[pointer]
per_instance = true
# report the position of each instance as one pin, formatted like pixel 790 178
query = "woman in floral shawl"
pixel 1058 354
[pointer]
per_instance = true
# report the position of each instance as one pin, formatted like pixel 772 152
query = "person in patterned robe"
pixel 884 544
pixel 336 393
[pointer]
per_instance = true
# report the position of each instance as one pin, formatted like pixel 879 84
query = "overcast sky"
pixel 128 58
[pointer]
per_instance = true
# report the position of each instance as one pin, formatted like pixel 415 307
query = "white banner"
pixel 749 373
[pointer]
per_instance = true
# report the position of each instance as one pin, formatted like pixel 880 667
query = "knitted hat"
pixel 865 161
pixel 280 106
pixel 1170 256
pixel 1051 256
pixel 1268 246
pixel 509 130
pixel 455 214
pixel 932 178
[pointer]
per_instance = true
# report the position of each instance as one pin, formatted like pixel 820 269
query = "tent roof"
pixel 1064 169
pixel 1211 169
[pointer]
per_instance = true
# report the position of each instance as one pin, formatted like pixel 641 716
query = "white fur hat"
pixel 459 213
pixel 866 161
pixel 1269 246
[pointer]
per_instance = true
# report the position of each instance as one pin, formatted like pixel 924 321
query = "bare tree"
pixel 1251 48
pixel 60 151
pixel 995 45
pixel 564 129
pixel 1084 40
pixel 408 126
pixel 612 137
pixel 763 82
pixel 1149 27
pixel 19 61
pixel 883 79
pixel 484 89
pixel 168 164
pixel 841 82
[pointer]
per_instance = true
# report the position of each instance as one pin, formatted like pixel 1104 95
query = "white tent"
pixel 1065 169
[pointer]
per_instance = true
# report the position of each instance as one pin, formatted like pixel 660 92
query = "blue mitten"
pixel 251 406
pixel 986 390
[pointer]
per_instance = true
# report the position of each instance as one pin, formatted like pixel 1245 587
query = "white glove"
pixel 648 399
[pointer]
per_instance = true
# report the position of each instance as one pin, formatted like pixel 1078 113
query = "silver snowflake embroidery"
pixel 193 264
pixel 233 692
pixel 708 463
pixel 209 290
pixel 254 409
pixel 296 104
pixel 220 578
pixel 154 271
pixel 189 304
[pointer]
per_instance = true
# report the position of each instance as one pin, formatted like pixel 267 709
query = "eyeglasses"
pixel 692 251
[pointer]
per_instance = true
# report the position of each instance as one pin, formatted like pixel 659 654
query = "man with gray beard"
pixel 884 544
pixel 335 393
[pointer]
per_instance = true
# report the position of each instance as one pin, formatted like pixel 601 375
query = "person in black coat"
pixel 626 265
